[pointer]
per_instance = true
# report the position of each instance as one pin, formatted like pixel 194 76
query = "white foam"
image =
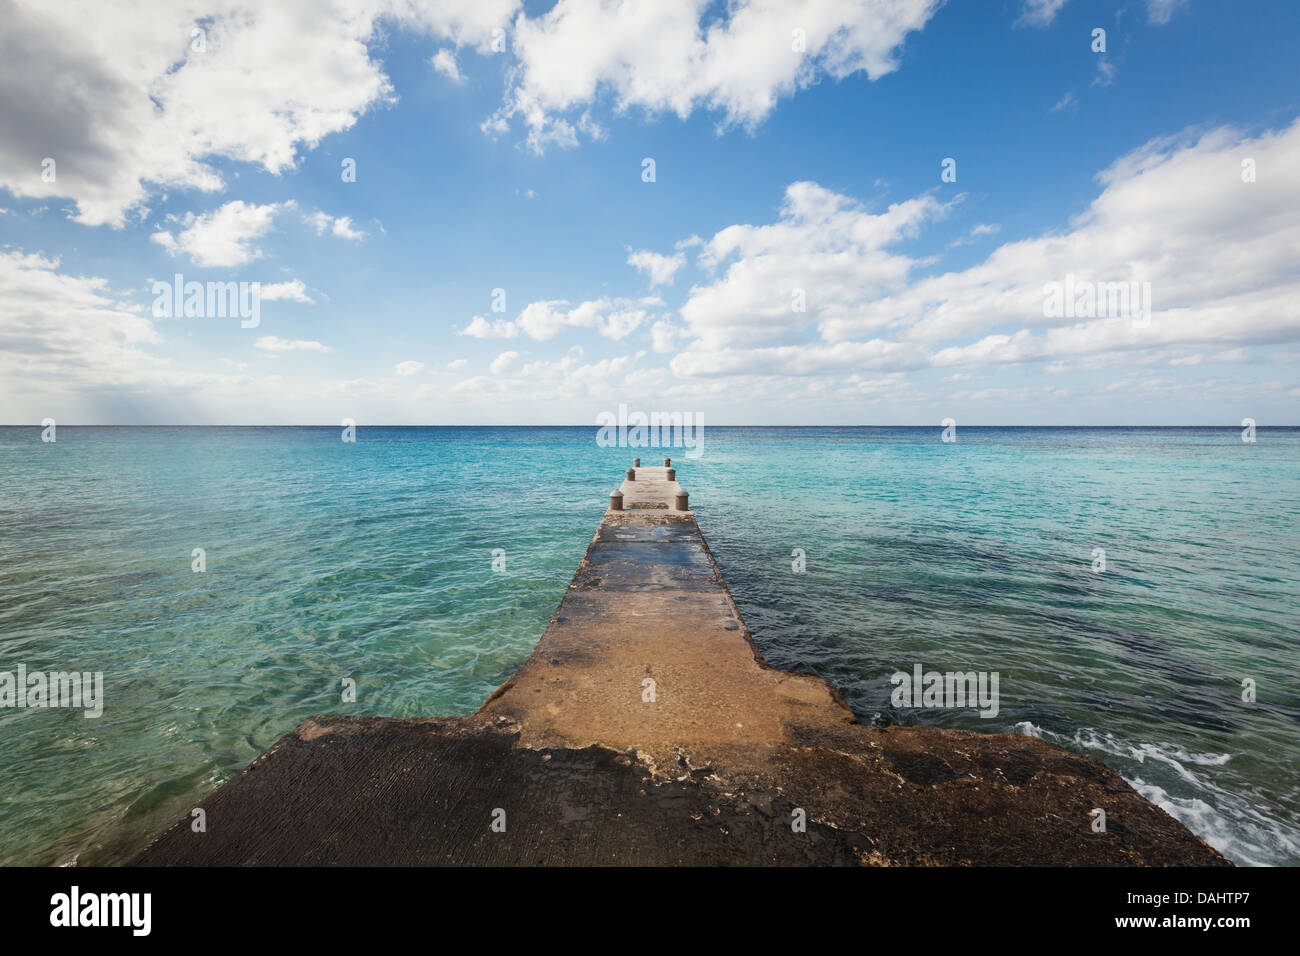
pixel 1225 820
pixel 1244 835
pixel 1027 729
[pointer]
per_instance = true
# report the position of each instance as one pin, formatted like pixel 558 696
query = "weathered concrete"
pixel 648 603
pixel 646 728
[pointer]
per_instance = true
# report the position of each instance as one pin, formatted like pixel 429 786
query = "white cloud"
pixel 549 383
pixel 1040 13
pixel 659 268
pixel 545 319
pixel 665 56
pixel 664 336
pixel 444 62
pixel 502 363
pixel 1159 11
pixel 481 328
pixel 803 359
pixel 266 82
pixel 1174 213
pixel 117 94
pixel 291 291
pixel 457 363
pixel 73 349
pixel 223 237
pixel 68 329
pixel 1218 253
pixel 978 231
pixel 1106 71
pixel 409 368
pixel 825 255
pixel 611 318
pixel 272 343
pixel 1064 102
pixel 341 227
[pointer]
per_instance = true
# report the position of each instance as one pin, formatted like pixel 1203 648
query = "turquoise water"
pixel 373 561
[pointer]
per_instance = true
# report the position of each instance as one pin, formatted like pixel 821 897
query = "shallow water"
pixel 374 561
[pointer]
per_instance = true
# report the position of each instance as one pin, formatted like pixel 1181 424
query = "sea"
pixel 1135 590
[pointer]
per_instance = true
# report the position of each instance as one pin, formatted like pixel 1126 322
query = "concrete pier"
pixel 646 729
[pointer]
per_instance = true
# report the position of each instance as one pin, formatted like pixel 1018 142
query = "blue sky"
pixel 779 173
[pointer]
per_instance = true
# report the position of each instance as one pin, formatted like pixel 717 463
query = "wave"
pixel 1227 821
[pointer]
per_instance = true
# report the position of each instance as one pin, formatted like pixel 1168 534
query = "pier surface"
pixel 646 729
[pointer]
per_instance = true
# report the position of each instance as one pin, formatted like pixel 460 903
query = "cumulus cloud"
pixel 502 363
pixel 221 80
pixel 544 320
pixel 1174 213
pixel 409 368
pixel 340 226
pixel 664 336
pixel 224 237
pixel 611 318
pixel 815 266
pixel 678 56
pixel 659 268
pixel 228 235
pixel 1217 252
pixel 291 291
pixel 258 84
pixel 444 62
pixel 481 328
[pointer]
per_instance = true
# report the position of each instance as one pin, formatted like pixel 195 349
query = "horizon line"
pixel 507 425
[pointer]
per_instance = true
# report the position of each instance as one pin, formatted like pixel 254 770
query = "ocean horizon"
pixel 424 562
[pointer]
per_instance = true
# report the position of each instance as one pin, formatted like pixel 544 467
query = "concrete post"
pixel 616 501
pixel 668 462
pixel 672 474
pixel 636 462
pixel 631 474
pixel 682 501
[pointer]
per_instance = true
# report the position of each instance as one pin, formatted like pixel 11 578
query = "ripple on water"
pixel 374 562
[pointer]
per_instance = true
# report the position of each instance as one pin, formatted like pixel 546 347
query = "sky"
pixel 1021 212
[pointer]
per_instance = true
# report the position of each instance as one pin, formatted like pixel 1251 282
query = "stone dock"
pixel 646 729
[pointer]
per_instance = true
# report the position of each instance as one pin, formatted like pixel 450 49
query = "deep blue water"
pixel 373 560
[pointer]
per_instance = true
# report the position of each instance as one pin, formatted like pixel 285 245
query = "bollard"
pixel 682 501
pixel 631 474
pixel 636 462
pixel 668 462
pixel 672 474
pixel 616 501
